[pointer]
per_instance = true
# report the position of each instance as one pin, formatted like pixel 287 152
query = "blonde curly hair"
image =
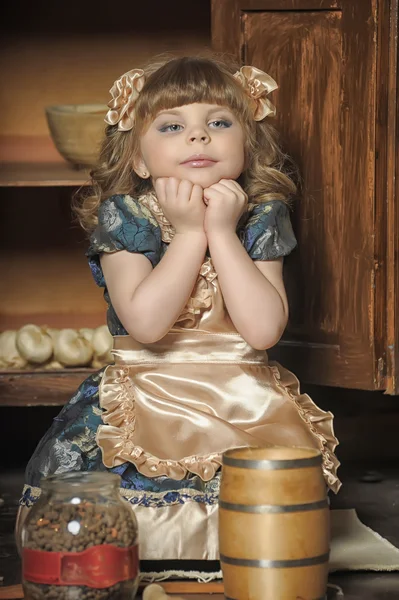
pixel 172 82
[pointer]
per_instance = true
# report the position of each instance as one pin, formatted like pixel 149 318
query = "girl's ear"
pixel 140 168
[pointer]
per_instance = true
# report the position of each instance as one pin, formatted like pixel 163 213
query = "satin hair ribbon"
pixel 125 92
pixel 257 85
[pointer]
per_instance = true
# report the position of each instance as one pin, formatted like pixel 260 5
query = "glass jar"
pixel 79 541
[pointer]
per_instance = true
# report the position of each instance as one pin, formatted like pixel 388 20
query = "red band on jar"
pixel 97 567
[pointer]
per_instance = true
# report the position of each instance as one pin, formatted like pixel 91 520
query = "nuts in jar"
pixel 80 541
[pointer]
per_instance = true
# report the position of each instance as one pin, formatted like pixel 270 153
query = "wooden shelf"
pixel 40 388
pixel 42 175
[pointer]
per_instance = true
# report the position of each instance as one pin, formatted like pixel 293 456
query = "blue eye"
pixel 220 124
pixel 172 127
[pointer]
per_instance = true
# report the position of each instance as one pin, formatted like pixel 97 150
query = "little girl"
pixel 189 225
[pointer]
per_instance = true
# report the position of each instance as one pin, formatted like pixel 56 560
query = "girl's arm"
pixel 148 301
pixel 254 292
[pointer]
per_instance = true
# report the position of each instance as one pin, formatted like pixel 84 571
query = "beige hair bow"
pixel 257 85
pixel 124 92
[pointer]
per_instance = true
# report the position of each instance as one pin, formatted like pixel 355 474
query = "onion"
pixel 53 333
pixel 9 355
pixel 102 343
pixel 34 344
pixel 87 333
pixel 53 365
pixel 156 592
pixel 71 349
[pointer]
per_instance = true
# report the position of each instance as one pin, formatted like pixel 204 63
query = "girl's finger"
pixel 197 193
pixel 160 188
pixel 212 193
pixel 224 190
pixel 184 189
pixel 233 186
pixel 172 186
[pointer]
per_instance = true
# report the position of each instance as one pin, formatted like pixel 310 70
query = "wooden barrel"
pixel 274 530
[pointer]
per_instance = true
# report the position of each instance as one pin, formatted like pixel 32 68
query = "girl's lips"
pixel 198 163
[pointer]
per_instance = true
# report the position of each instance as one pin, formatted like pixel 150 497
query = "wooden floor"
pixel 377 505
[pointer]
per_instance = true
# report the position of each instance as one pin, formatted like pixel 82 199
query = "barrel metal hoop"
pixel 275 564
pixel 273 465
pixel 262 509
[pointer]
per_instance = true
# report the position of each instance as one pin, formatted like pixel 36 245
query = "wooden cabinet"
pixel 71 55
pixel 336 65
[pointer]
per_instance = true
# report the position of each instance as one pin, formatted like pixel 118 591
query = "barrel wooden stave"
pixel 304 535
pixel 248 583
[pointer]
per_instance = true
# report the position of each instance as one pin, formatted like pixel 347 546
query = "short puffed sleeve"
pixel 267 233
pixel 123 224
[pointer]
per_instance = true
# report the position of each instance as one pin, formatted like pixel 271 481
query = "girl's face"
pixel 203 143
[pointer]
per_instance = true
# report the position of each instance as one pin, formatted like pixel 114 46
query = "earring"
pixel 144 175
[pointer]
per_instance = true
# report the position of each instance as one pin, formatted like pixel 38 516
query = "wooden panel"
pixel 388 177
pixel 325 64
pixel 226 17
pixel 29 149
pixel 329 132
pixel 56 320
pixel 286 5
pixel 42 262
pixel 226 26
pixel 41 174
pixel 12 592
pixel 44 389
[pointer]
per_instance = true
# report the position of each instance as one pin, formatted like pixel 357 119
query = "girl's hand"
pixel 226 202
pixel 182 204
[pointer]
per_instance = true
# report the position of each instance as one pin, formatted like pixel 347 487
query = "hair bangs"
pixel 186 81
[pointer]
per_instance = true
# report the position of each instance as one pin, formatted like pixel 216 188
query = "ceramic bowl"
pixel 77 131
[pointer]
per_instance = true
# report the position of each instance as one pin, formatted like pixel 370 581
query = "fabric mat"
pixel 357 547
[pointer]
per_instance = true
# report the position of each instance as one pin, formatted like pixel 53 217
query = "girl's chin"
pixel 203 178
pixel 204 182
pixel 200 176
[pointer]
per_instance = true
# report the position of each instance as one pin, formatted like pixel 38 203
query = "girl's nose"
pixel 199 135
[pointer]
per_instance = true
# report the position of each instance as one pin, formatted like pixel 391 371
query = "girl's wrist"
pixel 194 235
pixel 221 234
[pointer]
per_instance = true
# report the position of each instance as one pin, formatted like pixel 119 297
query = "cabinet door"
pixel 323 54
